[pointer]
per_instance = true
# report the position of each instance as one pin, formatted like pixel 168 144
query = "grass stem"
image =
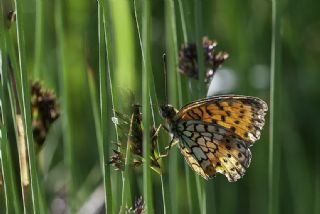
pixel 38 38
pixel 201 86
pixel 146 110
pixel 274 98
pixel 26 111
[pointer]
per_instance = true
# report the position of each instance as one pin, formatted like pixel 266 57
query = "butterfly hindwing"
pixel 192 162
pixel 242 115
pixel 209 148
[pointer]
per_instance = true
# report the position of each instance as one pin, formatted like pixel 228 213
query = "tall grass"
pixel 183 21
pixel 146 110
pixel 123 73
pixel 103 123
pixel 9 189
pixel 94 50
pixel 152 91
pixel 67 137
pixel 173 97
pixel 40 5
pixel 201 87
pixel 37 200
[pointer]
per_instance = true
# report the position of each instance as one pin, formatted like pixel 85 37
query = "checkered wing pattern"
pixel 242 115
pixel 215 134
pixel 209 149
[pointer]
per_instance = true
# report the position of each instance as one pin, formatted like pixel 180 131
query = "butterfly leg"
pixel 172 143
pixel 156 133
pixel 165 128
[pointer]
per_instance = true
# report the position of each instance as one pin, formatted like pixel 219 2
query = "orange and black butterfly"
pixel 215 133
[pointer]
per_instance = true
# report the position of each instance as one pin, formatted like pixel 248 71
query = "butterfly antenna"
pixel 165 77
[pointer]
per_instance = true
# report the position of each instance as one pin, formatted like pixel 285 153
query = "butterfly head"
pixel 168 111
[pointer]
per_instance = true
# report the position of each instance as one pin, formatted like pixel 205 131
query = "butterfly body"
pixel 215 133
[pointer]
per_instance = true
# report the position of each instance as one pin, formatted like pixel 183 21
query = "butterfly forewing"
pixel 242 115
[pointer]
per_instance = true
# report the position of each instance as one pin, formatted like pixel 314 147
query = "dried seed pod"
pixel 188 61
pixel 136 139
pixel 117 160
pixel 44 109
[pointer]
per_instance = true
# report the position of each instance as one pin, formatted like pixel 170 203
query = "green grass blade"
pixel 153 97
pixel 316 206
pixel 9 185
pixel 101 126
pixel 173 96
pixel 273 179
pixel 14 102
pixel 63 81
pixel 201 88
pixel 37 202
pixel 111 95
pixel 193 182
pixel 183 21
pixel 38 38
pixel 146 110
pixel 126 176
pixel 12 202
pixel 198 37
pixel 123 70
pixel 124 44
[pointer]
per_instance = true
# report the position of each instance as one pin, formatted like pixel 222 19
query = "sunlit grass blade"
pixel 123 64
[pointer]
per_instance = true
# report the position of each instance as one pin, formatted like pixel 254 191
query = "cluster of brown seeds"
pixel 117 160
pixel 45 111
pixel 135 140
pixel 188 60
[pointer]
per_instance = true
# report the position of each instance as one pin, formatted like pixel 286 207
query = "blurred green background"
pixel 69 168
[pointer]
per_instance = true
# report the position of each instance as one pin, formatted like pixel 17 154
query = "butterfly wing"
pixel 210 148
pixel 242 115
pixel 193 162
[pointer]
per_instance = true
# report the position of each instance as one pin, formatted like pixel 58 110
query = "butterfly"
pixel 215 133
